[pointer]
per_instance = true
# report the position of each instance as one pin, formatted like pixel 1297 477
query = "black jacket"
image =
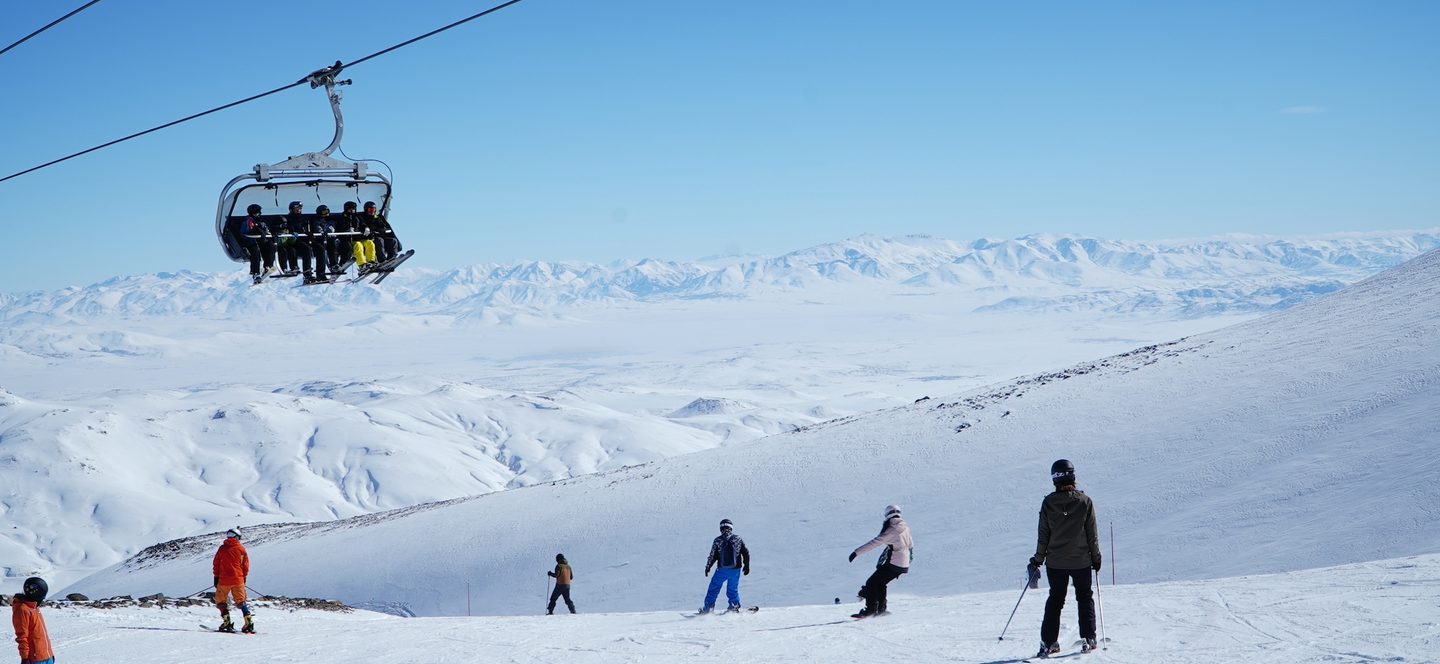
pixel 1068 538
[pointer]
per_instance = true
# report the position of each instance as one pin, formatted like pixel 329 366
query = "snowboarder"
pixel 30 635
pixel 894 561
pixel 730 559
pixel 563 576
pixel 1069 547
pixel 230 567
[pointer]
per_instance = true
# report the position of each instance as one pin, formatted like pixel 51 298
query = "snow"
pixel 796 396
pixel 1382 611
pixel 1293 441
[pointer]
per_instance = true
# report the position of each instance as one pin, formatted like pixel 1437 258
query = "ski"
pixel 388 267
pixel 208 628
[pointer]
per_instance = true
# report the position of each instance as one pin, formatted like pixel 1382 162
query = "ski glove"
pixel 1095 565
pixel 217 582
pixel 852 556
pixel 552 574
pixel 707 570
pixel 746 571
pixel 1032 574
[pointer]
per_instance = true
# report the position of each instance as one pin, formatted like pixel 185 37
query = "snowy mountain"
pixel 145 409
pixel 1034 272
pixel 1298 440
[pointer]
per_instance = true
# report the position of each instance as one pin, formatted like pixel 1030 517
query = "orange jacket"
pixel 30 634
pixel 231 563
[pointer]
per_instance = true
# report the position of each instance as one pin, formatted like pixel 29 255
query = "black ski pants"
pixel 874 589
pixel 1059 579
pixel 561 590
pixel 256 248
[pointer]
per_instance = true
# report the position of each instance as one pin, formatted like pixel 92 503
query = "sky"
pixel 570 130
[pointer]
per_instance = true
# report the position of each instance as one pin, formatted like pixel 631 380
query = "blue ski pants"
pixel 730 576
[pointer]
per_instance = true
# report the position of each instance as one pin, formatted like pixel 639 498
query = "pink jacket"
pixel 896 536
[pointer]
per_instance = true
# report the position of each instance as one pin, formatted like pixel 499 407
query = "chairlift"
pixel 314 177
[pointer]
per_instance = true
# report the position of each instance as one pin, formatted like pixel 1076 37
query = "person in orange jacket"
pixel 231 566
pixel 30 634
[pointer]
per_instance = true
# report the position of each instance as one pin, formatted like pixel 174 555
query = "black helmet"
pixel 1062 472
pixel 726 525
pixel 254 209
pixel 295 204
pixel 349 205
pixel 36 589
pixel 559 557
pixel 369 205
pixel 323 209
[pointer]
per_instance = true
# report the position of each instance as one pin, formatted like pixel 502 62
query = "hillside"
pixel 1293 441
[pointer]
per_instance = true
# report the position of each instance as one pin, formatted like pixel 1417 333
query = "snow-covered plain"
pixel 1382 611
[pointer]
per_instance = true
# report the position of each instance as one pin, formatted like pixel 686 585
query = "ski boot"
pixel 733 608
pixel 706 609
pixel 256 279
pixel 226 625
pixel 249 627
pixel 1047 650
pixel 1089 645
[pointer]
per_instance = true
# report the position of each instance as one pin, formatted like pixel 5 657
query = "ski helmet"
pixel 296 204
pixel 36 589
pixel 559 557
pixel 726 525
pixel 233 532
pixel 1062 472
pixel 891 510
pixel 323 209
pixel 254 209
pixel 349 205
pixel 369 205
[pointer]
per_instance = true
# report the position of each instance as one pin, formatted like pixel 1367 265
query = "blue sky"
pixel 587 130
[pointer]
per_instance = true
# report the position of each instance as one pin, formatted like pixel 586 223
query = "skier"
pixel 731 559
pixel 346 225
pixel 387 246
pixel 31 636
pixel 894 561
pixel 230 567
pixel 256 238
pixel 1069 547
pixel 563 576
pixel 314 245
pixel 286 229
pixel 364 247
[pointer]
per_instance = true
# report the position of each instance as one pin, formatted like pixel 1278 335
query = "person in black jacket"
pixel 1069 547
pixel 314 245
pixel 254 235
pixel 347 224
pixel 731 559
pixel 386 244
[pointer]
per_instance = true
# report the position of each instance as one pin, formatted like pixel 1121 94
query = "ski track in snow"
pixel 1382 611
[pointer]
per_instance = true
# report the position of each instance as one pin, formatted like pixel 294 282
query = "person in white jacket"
pixel 894 561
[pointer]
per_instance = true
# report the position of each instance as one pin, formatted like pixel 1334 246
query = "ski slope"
pixel 1381 611
pixel 1302 439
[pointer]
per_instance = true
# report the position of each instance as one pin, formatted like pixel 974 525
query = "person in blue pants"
pixel 730 559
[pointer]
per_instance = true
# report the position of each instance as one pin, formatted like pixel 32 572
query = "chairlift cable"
pixel 334 71
pixel 48 26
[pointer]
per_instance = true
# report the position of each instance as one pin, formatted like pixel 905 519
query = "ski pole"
pixel 1100 608
pixel 1017 607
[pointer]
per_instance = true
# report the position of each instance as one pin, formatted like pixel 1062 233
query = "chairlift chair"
pixel 314 178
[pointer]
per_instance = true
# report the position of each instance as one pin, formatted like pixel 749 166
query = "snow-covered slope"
pixel 1298 440
pixel 1375 612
